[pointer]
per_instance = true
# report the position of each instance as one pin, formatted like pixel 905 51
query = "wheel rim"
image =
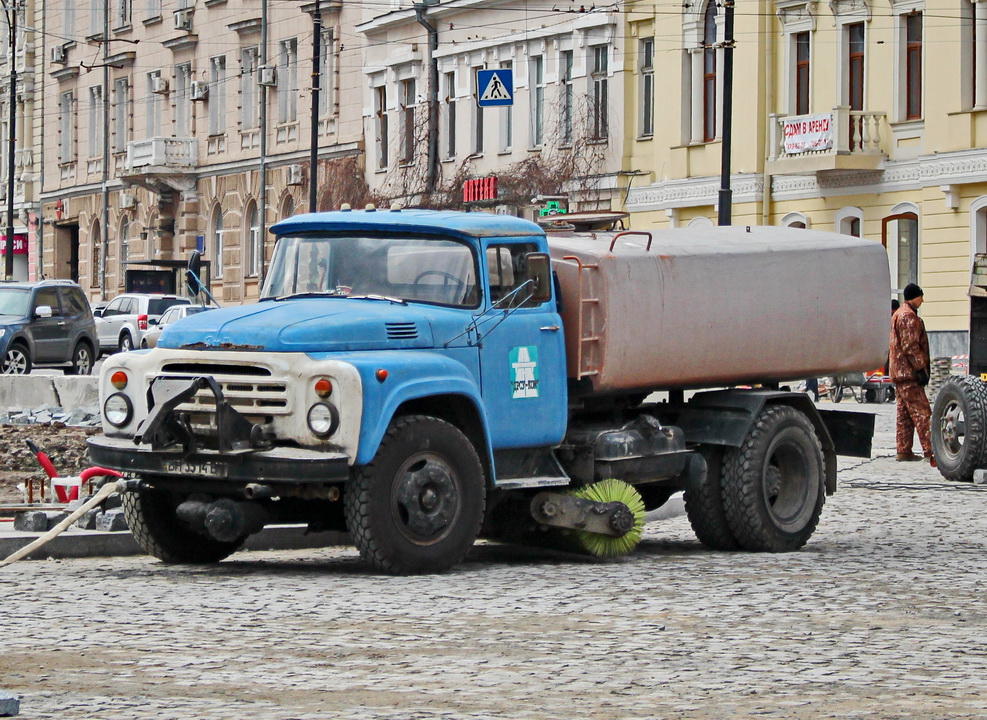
pixel 425 498
pixel 83 362
pixel 125 344
pixel 15 363
pixel 952 429
pixel 787 484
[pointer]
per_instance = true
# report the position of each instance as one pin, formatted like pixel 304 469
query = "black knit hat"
pixel 913 291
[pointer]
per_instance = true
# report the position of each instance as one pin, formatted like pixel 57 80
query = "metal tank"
pixel 720 306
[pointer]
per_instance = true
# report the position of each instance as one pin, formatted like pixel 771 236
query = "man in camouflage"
pixel 910 365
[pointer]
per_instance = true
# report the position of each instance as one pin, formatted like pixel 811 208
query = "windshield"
pixel 438 271
pixel 14 301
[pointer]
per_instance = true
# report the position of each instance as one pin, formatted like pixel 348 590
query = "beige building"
pixel 163 119
pixel 851 116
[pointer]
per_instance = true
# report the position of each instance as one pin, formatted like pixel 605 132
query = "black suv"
pixel 46 324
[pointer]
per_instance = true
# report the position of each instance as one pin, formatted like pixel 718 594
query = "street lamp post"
pixel 11 10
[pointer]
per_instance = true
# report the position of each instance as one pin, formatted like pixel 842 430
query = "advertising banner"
pixel 20 244
pixel 806 133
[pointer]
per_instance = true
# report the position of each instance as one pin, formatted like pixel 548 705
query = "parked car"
pixel 122 323
pixel 46 324
pixel 170 316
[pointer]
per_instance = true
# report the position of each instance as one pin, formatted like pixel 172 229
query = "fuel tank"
pixel 720 306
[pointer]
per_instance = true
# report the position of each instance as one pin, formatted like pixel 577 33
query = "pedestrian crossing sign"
pixel 495 87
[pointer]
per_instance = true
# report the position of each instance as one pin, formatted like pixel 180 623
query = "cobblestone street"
pixel 882 615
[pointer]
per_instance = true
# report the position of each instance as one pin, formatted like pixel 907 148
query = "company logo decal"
pixel 524 371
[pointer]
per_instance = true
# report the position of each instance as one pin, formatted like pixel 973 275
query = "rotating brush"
pixel 611 490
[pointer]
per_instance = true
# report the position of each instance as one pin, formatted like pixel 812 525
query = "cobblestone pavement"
pixel 882 615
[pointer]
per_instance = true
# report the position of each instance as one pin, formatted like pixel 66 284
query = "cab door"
pixel 50 333
pixel 522 355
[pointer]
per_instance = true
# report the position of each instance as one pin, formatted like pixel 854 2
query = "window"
pixel 407 119
pixel 249 105
pixel 380 125
pixel 154 105
pixel 855 66
pixel 96 122
pixel 536 81
pixel 288 81
pixel 49 297
pixel 600 129
pixel 899 232
pixel 96 269
pixel 567 97
pixel 217 242
pixel 450 115
pixel 252 241
pixel 647 68
pixel 477 148
pixel 153 8
pixel 121 114
pixel 802 76
pixel 124 254
pixel 507 118
pixel 97 18
pixel 66 129
pixel 327 76
pixel 913 66
pixel 508 268
pixel 183 103
pixel 121 15
pixel 709 73
pixel 849 221
pixel 217 95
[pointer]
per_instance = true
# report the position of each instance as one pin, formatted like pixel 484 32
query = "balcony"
pixel 844 140
pixel 162 163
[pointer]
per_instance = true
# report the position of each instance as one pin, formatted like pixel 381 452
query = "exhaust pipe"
pixel 224 520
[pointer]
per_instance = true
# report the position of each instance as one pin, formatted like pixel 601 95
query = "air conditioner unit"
pixel 294 174
pixel 159 85
pixel 267 75
pixel 59 54
pixel 183 20
pixel 127 201
pixel 198 90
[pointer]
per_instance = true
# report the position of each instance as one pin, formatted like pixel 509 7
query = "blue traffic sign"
pixel 495 87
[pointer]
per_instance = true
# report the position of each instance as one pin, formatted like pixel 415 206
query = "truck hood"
pixel 310 326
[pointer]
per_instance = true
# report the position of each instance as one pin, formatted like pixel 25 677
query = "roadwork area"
pixel 882 615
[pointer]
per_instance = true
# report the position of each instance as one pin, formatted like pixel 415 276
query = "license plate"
pixel 185 467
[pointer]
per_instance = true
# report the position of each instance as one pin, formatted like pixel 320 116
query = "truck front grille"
pixel 250 389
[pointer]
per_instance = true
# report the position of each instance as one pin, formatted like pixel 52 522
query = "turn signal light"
pixel 323 387
pixel 381 375
pixel 119 379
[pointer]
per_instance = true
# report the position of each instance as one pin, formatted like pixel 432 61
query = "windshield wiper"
pixel 312 293
pixel 386 298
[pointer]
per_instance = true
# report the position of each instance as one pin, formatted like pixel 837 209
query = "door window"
pixel 49 297
pixel 508 269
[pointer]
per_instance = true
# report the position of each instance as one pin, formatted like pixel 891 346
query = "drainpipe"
pixel 261 62
pixel 432 174
pixel 313 171
pixel 11 8
pixel 106 154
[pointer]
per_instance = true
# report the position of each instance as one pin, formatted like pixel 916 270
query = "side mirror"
pixel 193 273
pixel 42 311
pixel 98 312
pixel 540 273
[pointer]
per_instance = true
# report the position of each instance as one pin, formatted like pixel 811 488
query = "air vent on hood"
pixel 401 331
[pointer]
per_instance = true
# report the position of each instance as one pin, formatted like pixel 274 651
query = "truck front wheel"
pixel 418 506
pixel 773 484
pixel 154 523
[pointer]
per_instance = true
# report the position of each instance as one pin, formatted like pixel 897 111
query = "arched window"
pixel 850 221
pixel 796 220
pixel 709 72
pixel 96 267
pixel 124 254
pixel 899 233
pixel 287 208
pixel 252 240
pixel 700 222
pixel 217 241
pixel 978 226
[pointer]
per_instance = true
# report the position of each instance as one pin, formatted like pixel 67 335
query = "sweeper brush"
pixel 611 491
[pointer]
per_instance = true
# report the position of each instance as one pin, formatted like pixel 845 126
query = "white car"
pixel 170 316
pixel 122 323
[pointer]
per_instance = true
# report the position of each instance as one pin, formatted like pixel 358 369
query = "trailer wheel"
pixel 158 530
pixel 959 427
pixel 704 504
pixel 773 489
pixel 418 506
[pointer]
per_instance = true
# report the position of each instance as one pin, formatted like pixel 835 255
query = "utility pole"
pixel 725 200
pixel 313 173
pixel 11 9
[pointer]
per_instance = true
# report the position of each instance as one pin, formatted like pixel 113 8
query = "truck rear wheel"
pixel 959 427
pixel 704 505
pixel 156 527
pixel 773 484
pixel 418 506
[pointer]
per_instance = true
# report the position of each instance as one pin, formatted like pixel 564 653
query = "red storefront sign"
pixel 480 189
pixel 20 244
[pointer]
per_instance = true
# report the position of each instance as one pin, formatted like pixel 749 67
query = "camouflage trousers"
pixel 914 413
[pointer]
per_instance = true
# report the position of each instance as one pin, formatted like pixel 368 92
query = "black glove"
pixel 922 377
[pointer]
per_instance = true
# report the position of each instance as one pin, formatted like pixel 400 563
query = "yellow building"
pixel 850 116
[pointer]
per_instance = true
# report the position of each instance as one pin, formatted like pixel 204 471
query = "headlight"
pixel 323 419
pixel 118 409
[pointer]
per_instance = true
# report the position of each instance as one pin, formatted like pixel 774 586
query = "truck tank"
pixel 719 306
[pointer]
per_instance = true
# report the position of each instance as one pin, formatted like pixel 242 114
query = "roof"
pixel 425 222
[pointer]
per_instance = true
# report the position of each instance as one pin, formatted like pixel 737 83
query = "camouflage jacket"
pixel 909 345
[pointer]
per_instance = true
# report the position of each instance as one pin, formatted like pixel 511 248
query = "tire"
pixel 959 427
pixel 126 343
pixel 157 529
pixel 704 505
pixel 17 361
pixel 417 507
pixel 773 484
pixel 82 360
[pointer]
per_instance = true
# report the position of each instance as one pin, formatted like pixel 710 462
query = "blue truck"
pixel 424 378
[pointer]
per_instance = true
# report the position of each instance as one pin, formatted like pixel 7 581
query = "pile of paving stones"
pixel 80 417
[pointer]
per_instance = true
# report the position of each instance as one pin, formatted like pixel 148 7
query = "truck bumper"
pixel 280 465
